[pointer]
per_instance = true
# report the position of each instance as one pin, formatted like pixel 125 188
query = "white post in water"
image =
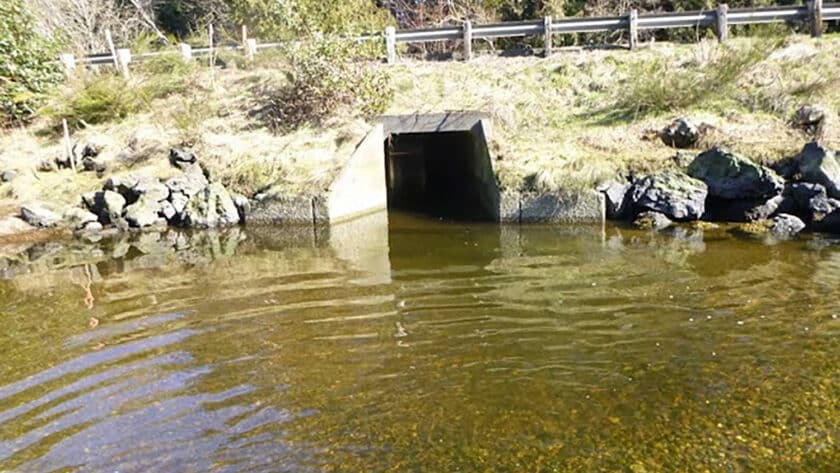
pixel 391 44
pixel 124 58
pixel 186 51
pixel 722 23
pixel 69 63
pixel 468 40
pixel 815 15
pixel 633 20
pixel 548 35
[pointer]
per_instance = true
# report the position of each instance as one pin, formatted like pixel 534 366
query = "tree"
pixel 28 65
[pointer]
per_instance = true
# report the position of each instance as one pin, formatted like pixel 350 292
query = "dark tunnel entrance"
pixel 444 175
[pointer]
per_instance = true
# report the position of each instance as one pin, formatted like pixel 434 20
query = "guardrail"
pixel 814 13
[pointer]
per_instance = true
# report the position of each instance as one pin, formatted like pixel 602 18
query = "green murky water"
pixel 423 347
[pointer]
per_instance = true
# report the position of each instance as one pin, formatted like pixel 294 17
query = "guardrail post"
pixel 722 24
pixel 212 59
pixel 251 49
pixel 633 20
pixel 124 58
pixel 110 41
pixel 68 61
pixel 548 35
pixel 391 44
pixel 815 15
pixel 468 40
pixel 186 51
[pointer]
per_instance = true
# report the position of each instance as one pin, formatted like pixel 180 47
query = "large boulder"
pixel 681 133
pixel 37 215
pixel 819 165
pixel 213 207
pixel 786 225
pixel 733 177
pixel 108 205
pixel 676 195
pixel 615 196
pixel 188 183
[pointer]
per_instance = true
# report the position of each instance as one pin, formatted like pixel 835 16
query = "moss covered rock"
pixel 734 177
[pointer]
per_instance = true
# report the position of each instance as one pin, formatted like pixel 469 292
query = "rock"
pixel 724 210
pixel 681 133
pixel 189 183
pixel 167 211
pixel 674 194
pixel 756 228
pixel 243 205
pixel 91 150
pixel 13 226
pixel 79 218
pixel 180 158
pixel 730 176
pixel 8 175
pixel 179 201
pixel 151 188
pixel 143 213
pixel 652 221
pixel 808 118
pixel 786 225
pixel 45 165
pixel 803 192
pixel 108 205
pixel 92 227
pixel 210 208
pixel 819 165
pixel 615 194
pixel 786 168
pixel 37 215
pixel 123 185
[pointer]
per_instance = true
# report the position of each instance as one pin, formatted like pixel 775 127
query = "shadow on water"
pixel 418 345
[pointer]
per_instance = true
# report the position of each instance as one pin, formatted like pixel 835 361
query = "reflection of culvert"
pixel 439 165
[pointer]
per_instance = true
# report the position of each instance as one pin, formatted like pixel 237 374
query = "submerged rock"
pixel 652 221
pixel 819 165
pixel 733 177
pixel 676 195
pixel 36 214
pixel 786 225
pixel 681 133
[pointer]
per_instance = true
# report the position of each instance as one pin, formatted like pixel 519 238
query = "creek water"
pixel 421 346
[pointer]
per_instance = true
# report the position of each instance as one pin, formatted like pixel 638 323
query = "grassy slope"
pixel 554 118
pixel 557 116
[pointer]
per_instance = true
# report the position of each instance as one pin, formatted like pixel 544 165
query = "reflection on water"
pixel 421 347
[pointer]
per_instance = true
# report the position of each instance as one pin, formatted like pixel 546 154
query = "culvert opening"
pixel 441 174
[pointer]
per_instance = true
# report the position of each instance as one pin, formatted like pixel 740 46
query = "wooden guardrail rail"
pixel 815 12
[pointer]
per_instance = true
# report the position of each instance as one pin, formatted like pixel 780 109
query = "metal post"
pixel 548 35
pixel 186 51
pixel 633 20
pixel 722 24
pixel 69 63
pixel 467 40
pixel 815 15
pixel 124 58
pixel 391 44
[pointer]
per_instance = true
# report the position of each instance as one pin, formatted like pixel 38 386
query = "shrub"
pixel 325 76
pixel 92 99
pixel 28 67
pixel 166 75
pixel 661 85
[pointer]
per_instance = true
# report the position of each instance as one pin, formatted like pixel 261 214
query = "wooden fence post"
pixel 68 148
pixel 211 60
pixel 722 23
pixel 815 15
pixel 69 63
pixel 467 40
pixel 391 44
pixel 124 58
pixel 548 35
pixel 633 20
pixel 186 52
pixel 111 48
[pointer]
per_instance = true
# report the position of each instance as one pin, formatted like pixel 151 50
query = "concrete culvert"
pixel 445 174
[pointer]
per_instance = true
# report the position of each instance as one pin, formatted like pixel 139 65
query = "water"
pixel 426 347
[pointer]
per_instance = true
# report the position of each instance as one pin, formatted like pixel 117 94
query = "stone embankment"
pixel 190 199
pixel 719 185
